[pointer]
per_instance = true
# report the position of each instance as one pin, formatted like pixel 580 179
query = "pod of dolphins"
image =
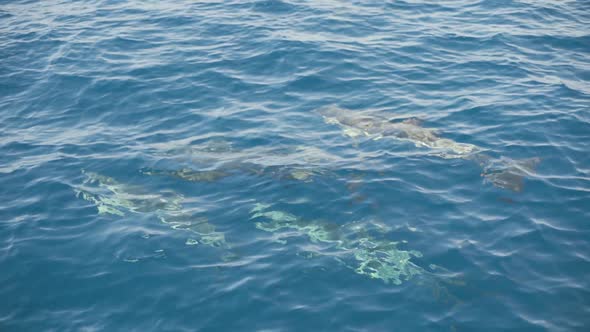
pixel 358 245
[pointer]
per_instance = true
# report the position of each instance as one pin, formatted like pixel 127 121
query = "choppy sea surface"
pixel 168 166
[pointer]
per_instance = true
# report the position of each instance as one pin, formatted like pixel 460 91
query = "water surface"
pixel 164 166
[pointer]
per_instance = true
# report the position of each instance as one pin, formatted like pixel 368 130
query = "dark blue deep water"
pixel 167 166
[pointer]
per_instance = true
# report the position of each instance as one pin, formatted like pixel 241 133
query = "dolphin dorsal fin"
pixel 413 121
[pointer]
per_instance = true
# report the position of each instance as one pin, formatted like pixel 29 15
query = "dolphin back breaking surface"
pixel 501 172
pixel 409 130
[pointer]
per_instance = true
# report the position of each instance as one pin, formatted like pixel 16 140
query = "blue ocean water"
pixel 164 166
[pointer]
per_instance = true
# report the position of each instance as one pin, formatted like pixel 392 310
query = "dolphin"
pixel 299 163
pixel 115 198
pixel 363 246
pixel 188 174
pixel 286 172
pixel 359 245
pixel 410 129
pixel 503 172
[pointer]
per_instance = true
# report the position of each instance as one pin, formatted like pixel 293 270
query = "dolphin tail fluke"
pixel 511 175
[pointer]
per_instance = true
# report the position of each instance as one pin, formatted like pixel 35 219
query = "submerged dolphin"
pixel 503 173
pixel 115 198
pixel 287 172
pixel 300 163
pixel 361 246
